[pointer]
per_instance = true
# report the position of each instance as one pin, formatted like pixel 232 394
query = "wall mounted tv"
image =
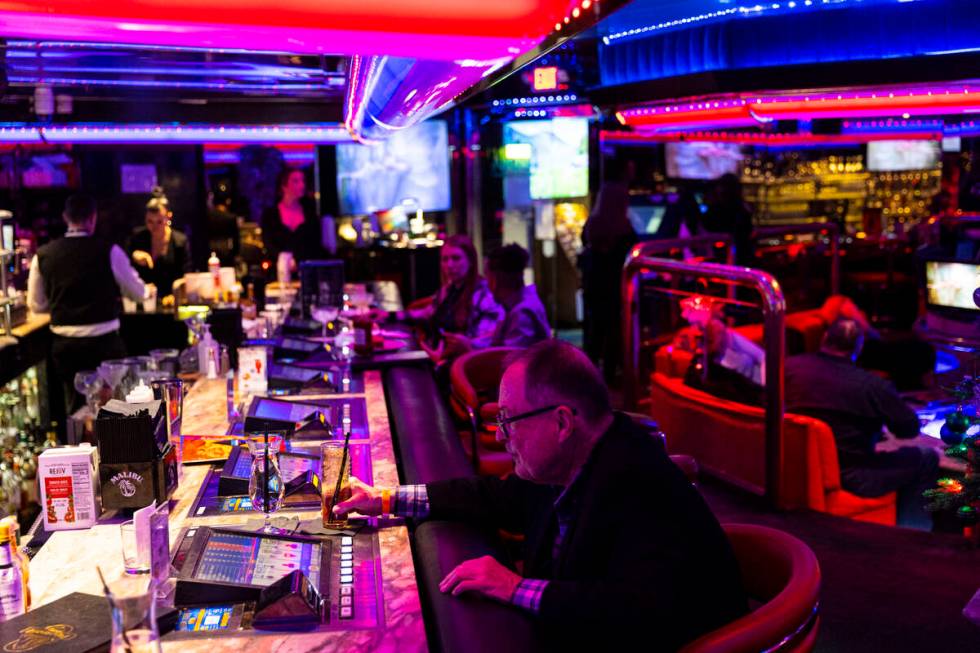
pixel 411 163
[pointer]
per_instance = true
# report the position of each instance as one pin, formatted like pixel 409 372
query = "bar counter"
pixel 67 562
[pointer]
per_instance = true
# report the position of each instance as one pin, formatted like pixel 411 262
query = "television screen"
pixel 646 219
pixel 559 155
pixel 702 160
pixel 411 163
pixel 885 156
pixel 247 559
pixel 951 285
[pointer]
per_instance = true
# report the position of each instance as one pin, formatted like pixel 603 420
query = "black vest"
pixel 78 281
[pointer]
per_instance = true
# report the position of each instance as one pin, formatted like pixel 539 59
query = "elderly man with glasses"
pixel 618 544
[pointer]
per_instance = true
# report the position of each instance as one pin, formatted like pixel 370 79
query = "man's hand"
pixel 143 258
pixel 364 499
pixel 456 344
pixel 484 576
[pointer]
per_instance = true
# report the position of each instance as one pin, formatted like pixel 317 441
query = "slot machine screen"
pixel 247 559
pixel 286 411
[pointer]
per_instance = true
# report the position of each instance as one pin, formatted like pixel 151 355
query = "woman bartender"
pixel 160 252
pixel 291 225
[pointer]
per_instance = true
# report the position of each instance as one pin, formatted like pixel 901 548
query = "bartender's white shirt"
pixel 126 276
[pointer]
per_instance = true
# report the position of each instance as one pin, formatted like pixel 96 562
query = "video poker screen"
pixel 287 411
pixel 246 559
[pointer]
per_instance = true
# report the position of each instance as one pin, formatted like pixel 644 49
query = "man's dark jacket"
pixel 644 559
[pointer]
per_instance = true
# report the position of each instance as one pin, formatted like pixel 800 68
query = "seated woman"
pixel 525 321
pixel 735 365
pixel 463 305
pixel 161 254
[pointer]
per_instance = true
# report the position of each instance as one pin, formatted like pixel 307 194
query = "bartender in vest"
pixel 78 279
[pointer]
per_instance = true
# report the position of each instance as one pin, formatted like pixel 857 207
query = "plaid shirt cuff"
pixel 528 594
pixel 410 501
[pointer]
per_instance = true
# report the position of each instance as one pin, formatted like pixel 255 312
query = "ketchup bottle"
pixel 363 337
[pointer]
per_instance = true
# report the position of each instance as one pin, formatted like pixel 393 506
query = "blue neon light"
pixel 836 32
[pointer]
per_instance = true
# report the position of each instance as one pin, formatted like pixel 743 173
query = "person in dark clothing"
pixel 162 254
pixel 682 218
pixel 292 225
pixel 856 404
pixel 735 365
pixel 727 213
pixel 619 546
pixel 77 280
pixel 607 237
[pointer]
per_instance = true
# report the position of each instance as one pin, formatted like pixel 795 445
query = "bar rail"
pixel 773 311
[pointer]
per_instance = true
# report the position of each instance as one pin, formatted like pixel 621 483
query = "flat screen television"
pixel 646 219
pixel 559 163
pixel 411 163
pixel 887 156
pixel 700 160
pixel 951 284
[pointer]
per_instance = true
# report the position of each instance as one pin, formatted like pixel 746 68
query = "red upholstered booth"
pixel 783 574
pixel 728 440
pixel 474 378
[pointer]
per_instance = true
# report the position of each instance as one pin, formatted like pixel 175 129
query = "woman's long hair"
pixel 283 178
pixel 461 313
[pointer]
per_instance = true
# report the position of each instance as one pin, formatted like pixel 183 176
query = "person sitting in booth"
pixel 525 321
pixel 736 366
pixel 161 253
pixel 908 361
pixel 856 404
pixel 619 546
pixel 464 304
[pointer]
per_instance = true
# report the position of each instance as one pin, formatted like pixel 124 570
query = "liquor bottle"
pixel 249 307
pixel 23 562
pixel 11 578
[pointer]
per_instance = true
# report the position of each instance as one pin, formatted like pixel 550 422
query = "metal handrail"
pixel 830 228
pixel 774 334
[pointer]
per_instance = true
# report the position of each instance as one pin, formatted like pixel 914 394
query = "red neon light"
pixel 743 112
pixel 545 78
pixel 405 28
pixel 764 139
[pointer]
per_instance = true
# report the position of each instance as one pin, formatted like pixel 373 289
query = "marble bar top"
pixel 67 562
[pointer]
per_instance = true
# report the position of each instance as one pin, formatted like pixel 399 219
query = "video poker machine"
pixel 319 419
pixel 233 581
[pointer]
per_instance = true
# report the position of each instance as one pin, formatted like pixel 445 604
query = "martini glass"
pixel 113 372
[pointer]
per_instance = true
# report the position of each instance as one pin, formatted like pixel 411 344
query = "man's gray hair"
pixel 558 372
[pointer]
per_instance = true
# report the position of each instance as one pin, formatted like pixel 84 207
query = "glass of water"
pixel 265 486
pixel 134 619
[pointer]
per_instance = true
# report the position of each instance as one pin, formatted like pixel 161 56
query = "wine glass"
pixel 265 486
pixel 87 384
pixel 325 314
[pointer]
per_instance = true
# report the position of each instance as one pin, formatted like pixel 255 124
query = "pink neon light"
pixel 300 40
pixel 763 139
pixel 747 110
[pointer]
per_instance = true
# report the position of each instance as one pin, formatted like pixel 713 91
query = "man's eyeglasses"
pixel 503 421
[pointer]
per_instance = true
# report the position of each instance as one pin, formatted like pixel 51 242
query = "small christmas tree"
pixel 951 494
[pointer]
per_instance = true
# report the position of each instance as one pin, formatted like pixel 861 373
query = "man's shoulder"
pixel 633 441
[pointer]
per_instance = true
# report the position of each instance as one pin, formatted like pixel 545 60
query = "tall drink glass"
pixel 331 460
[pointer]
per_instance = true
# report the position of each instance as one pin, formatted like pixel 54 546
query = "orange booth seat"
pixel 782 573
pixel 728 440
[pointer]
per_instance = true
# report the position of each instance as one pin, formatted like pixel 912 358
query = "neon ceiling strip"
pixel 740 111
pixel 761 138
pixel 325 133
pixel 432 29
